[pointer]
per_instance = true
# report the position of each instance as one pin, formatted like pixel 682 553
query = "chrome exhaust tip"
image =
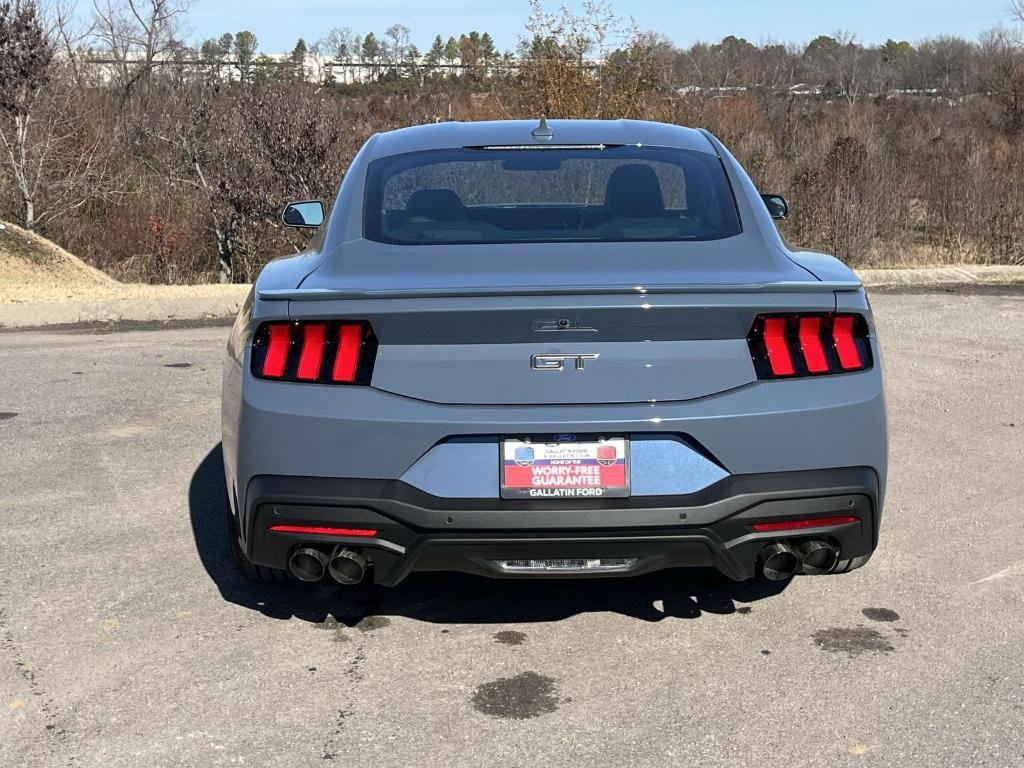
pixel 347 566
pixel 307 564
pixel 779 560
pixel 817 557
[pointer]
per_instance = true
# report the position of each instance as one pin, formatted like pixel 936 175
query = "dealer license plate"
pixel 564 470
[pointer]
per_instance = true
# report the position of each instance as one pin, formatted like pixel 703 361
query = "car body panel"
pixel 580 372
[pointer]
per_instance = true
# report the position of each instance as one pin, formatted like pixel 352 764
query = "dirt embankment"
pixel 34 269
pixel 42 284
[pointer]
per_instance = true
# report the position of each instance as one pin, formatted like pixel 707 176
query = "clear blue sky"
pixel 278 24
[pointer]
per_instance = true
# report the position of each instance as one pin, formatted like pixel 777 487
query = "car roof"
pixel 452 134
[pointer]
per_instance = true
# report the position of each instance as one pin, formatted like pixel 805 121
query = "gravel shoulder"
pixel 126 304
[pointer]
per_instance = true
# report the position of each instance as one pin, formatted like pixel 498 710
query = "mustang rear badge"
pixel 557 362
pixel 562 324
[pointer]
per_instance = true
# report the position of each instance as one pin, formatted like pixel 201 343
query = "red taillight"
pixel 321 530
pixel 776 347
pixel 796 525
pixel 846 347
pixel 313 336
pixel 810 345
pixel 324 352
pixel 350 338
pixel 278 345
pixel 792 346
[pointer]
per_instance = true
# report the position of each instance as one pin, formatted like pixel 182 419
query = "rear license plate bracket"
pixel 539 468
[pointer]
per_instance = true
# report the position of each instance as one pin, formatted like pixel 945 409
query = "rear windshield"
pixel 603 194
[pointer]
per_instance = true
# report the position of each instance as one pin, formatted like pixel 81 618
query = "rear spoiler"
pixel 324 294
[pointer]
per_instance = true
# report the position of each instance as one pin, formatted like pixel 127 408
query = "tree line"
pixel 161 161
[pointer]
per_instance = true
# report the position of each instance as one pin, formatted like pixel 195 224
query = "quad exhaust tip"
pixel 780 561
pixel 814 558
pixel 307 564
pixel 817 557
pixel 347 566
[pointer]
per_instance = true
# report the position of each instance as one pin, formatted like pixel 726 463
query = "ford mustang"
pixel 555 349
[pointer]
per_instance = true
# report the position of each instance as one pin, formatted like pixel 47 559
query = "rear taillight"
pixel 321 352
pixel 791 346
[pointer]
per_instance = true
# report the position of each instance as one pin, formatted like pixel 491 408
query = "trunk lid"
pixel 615 323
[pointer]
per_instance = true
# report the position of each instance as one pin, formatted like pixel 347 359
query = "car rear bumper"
pixel 420 532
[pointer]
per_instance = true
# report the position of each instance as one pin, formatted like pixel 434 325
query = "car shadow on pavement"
pixel 453 597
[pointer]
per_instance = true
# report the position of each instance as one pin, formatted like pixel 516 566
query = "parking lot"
pixel 128 639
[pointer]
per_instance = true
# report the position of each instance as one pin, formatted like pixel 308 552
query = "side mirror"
pixel 776 205
pixel 306 214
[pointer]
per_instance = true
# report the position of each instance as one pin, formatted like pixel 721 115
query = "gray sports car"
pixel 565 348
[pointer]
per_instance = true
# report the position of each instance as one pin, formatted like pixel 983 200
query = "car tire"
pixel 851 564
pixel 246 567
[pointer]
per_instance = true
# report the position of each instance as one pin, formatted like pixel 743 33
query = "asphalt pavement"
pixel 128 639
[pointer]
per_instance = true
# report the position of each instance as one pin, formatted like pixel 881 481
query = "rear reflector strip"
pixel 796 525
pixel 320 530
pixel 318 351
pixel 277 350
pixel 792 346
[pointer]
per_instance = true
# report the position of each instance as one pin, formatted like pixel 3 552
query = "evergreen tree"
pixel 371 48
pixel 451 50
pixel 245 46
pixel 486 46
pixel 436 52
pixel 297 60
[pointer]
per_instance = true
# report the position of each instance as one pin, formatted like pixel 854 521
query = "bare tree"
pixel 557 78
pixel 245 159
pixel 136 34
pixel 339 44
pixel 1001 72
pixel 26 56
pixel 339 48
pixel 52 150
pixel 842 62
pixel 946 63
pixel 398 47
pixel 187 149
pixel 71 36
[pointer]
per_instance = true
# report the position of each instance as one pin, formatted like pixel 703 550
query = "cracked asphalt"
pixel 127 639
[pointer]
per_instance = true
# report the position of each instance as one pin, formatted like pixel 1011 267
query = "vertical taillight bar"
pixel 278 345
pixel 350 341
pixel 775 344
pixel 810 344
pixel 313 336
pixel 846 347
